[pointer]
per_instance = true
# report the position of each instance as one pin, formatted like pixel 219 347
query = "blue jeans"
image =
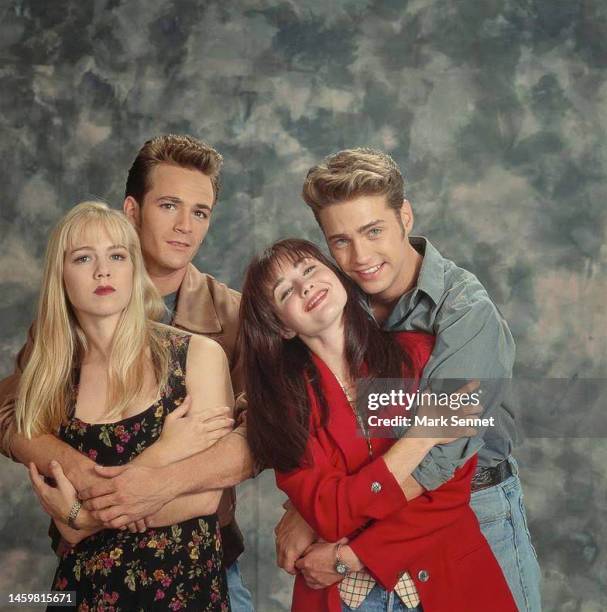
pixel 240 596
pixel 380 600
pixel 501 514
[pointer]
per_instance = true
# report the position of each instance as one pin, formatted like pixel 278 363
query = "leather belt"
pixel 489 477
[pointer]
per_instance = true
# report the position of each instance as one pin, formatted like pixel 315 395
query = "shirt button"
pixel 423 576
pixel 375 487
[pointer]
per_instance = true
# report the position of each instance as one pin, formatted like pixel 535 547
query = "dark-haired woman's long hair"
pixel 276 369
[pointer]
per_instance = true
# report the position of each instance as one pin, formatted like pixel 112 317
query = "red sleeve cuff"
pixel 376 492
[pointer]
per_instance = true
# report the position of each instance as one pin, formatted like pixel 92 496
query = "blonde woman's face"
pixel 98 275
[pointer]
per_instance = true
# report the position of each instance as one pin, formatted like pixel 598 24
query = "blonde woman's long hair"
pixel 46 388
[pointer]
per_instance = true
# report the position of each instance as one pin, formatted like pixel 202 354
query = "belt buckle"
pixel 482 479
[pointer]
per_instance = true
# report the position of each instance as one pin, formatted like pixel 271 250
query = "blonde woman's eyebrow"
pixel 82 248
pixel 90 248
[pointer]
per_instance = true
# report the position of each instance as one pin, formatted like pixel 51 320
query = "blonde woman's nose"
pixel 102 271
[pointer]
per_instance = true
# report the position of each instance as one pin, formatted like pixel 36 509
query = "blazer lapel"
pixel 342 425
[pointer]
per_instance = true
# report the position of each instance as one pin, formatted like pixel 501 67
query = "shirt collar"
pixel 431 278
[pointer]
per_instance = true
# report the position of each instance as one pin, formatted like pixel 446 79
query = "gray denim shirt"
pixel 472 342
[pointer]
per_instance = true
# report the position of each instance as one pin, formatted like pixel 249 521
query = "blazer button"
pixel 423 576
pixel 375 487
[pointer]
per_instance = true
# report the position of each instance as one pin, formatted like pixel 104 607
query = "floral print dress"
pixel 178 567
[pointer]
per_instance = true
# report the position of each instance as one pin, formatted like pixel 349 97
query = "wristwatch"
pixel 340 567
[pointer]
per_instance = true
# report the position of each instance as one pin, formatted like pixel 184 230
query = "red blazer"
pixel 437 532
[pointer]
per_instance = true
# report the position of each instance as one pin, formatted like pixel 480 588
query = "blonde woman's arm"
pixel 208 385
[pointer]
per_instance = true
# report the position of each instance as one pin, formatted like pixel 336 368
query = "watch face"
pixel 341 568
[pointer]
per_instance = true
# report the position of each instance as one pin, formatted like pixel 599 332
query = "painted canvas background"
pixel 496 111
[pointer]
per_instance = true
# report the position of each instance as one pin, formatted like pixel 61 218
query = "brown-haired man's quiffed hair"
pixel 183 151
pixel 350 174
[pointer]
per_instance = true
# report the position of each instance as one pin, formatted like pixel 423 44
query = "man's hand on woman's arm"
pixel 135 491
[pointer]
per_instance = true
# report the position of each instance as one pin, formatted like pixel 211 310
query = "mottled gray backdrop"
pixel 495 109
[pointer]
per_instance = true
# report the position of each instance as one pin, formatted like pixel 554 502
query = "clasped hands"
pixel 124 496
pixel 298 550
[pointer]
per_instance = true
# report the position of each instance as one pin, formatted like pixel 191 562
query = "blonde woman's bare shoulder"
pixel 206 351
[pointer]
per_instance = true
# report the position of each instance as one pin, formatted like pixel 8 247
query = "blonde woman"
pixel 120 387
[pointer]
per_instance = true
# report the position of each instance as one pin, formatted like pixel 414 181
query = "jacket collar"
pixel 342 424
pixel 195 310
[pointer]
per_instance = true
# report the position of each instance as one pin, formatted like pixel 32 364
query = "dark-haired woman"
pixel 306 340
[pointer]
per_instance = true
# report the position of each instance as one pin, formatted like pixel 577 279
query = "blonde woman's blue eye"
pixel 118 256
pixel 81 259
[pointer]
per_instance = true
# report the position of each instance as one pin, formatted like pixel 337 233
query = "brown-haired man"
pixel 357 197
pixel 171 191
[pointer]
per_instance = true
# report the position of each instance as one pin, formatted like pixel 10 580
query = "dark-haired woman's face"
pixel 308 297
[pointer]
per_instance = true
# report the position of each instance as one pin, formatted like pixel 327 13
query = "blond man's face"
pixel 367 239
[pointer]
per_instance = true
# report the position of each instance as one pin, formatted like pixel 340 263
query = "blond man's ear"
pixel 406 216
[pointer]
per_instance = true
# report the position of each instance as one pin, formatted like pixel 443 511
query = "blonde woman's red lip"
pixel 104 290
pixel 317 299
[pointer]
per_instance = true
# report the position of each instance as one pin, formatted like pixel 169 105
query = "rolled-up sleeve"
pixel 473 342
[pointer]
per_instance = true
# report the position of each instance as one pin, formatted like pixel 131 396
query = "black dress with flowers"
pixel 178 567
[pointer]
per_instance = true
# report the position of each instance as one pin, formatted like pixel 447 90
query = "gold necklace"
pixel 359 419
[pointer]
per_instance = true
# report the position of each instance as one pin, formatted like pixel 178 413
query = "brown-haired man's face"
pixel 368 240
pixel 173 219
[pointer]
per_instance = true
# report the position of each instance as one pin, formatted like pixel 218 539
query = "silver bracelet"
pixel 71 517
